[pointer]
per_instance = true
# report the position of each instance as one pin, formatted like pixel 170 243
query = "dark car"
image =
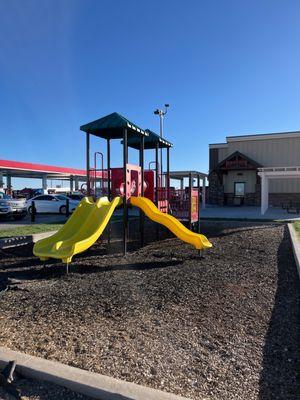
pixel 75 196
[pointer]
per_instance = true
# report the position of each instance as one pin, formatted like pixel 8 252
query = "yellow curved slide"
pixel 81 230
pixel 148 207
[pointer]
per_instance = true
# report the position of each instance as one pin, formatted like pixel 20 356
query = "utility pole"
pixel 161 114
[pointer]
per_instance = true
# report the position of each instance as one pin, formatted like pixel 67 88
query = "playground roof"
pixel 112 127
pixel 150 141
pixel 186 174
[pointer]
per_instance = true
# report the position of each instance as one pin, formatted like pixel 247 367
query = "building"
pixel 255 170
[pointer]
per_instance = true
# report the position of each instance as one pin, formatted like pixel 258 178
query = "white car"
pixel 51 203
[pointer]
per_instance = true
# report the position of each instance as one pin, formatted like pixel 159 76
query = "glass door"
pixel 239 189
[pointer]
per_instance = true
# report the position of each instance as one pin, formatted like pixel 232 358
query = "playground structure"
pixel 185 202
pixel 129 185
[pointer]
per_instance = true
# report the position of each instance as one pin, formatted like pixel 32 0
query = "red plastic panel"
pixel 133 181
pixel 149 184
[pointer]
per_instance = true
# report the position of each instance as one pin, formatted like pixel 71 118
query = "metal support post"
pixel 204 193
pixel 198 186
pixel 190 199
pixel 67 208
pixel 108 186
pixel 142 215
pixel 76 184
pixel 125 211
pixel 88 164
pixel 157 185
pixel 71 183
pixel 168 178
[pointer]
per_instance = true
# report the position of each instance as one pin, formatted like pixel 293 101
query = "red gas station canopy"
pixel 32 170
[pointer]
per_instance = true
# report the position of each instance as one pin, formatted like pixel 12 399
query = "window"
pixel 49 198
pixel 76 196
pixel 239 189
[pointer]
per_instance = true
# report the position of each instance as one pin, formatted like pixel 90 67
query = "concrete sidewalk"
pixel 247 213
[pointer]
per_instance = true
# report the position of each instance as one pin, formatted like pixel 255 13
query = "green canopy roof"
pixel 112 127
pixel 150 141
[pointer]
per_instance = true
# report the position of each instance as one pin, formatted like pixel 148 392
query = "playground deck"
pixel 224 326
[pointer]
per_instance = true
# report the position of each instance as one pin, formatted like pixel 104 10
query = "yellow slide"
pixel 170 222
pixel 81 230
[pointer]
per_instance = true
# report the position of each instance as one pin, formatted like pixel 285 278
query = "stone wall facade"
pixel 217 196
pixel 215 189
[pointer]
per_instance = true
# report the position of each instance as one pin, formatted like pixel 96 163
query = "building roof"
pixel 263 136
pixel 112 127
pixel 260 136
pixel 186 174
pixel 217 145
pixel 150 142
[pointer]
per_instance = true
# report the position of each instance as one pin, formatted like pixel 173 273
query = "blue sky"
pixel 226 67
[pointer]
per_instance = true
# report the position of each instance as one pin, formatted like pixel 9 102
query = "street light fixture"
pixel 161 114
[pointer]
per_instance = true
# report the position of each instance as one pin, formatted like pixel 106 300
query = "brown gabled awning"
pixel 237 161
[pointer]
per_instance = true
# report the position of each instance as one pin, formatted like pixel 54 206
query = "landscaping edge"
pixel 88 383
pixel 295 245
pixel 14 241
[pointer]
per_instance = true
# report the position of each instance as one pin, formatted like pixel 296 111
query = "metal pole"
pixel 88 164
pixel 67 208
pixel 156 174
pixel 190 199
pixel 108 186
pixel 204 193
pixel 33 211
pixel 142 215
pixel 157 185
pixel 71 183
pixel 8 184
pixel 161 128
pixel 198 185
pixel 125 214
pixel 108 170
pixel 168 178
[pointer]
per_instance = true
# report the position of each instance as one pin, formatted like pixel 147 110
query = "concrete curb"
pixel 22 240
pixel 296 246
pixel 85 382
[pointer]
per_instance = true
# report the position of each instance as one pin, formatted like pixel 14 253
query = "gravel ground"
pixel 225 326
pixel 40 390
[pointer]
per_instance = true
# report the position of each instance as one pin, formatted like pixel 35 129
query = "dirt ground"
pixel 224 326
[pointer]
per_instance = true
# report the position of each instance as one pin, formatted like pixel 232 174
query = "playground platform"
pixel 247 213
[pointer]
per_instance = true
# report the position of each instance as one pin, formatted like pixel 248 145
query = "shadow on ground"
pixel 280 375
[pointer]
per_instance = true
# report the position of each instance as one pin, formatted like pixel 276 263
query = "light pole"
pixel 161 114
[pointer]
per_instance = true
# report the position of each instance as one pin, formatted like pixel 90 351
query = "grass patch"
pixel 29 230
pixel 26 230
pixel 297 228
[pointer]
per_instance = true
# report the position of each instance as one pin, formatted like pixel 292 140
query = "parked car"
pixel 51 203
pixel 75 196
pixel 9 207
